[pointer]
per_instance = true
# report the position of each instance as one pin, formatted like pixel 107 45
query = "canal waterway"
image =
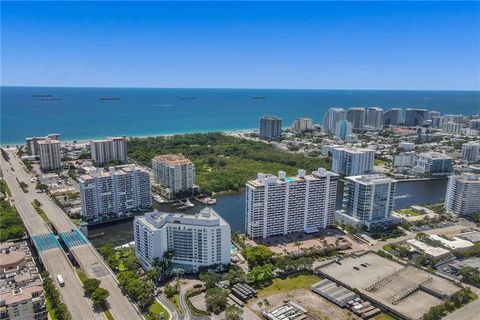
pixel 231 206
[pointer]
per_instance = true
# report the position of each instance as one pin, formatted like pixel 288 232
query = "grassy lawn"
pixel 51 311
pixel 157 309
pixel 107 313
pixel 41 212
pixel 379 162
pixel 385 316
pixel 409 212
pixel 176 302
pixel 288 284
pixel 388 247
pixel 81 275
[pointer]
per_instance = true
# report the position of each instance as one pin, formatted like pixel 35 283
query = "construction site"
pixel 403 290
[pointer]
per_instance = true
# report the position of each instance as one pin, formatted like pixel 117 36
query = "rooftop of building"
pixel 206 217
pixel 282 178
pixel 428 249
pixel 473 236
pixel 435 155
pixel 470 262
pixel 369 179
pixel 49 141
pixel 108 139
pixel 93 172
pixel 22 294
pixel 172 159
pixel 454 243
pixel 467 177
pixel 270 117
pixel 353 149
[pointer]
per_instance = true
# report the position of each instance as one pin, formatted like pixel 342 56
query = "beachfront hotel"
pixel 368 202
pixel 352 161
pixel 49 153
pixel 270 128
pixel 463 194
pixel 282 205
pixel 106 150
pixel 175 173
pixel 114 193
pixel 196 240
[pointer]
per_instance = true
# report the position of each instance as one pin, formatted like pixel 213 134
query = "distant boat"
pixel 41 95
pixel 110 98
pixel 187 98
pixel 51 99
pixel 403 196
pixel 259 97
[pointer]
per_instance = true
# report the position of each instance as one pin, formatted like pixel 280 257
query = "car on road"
pixel 60 280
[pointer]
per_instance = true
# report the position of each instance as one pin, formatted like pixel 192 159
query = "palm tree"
pixel 297 244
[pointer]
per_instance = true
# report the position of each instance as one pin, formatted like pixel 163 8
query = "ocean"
pixel 80 114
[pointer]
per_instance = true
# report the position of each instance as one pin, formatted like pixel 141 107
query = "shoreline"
pixel 87 140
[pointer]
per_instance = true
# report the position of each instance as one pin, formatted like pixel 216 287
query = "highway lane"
pixel 55 261
pixel 91 262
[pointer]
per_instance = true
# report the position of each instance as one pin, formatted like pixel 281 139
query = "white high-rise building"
pixel 368 201
pixel 32 143
pixel 352 161
pixel 392 117
pixel 174 172
pixel 282 205
pixel 302 124
pixel 270 128
pixel 196 240
pixel 471 152
pixel 104 151
pixel 332 117
pixel 463 194
pixel 474 124
pixel 49 153
pixel 357 117
pixel 114 193
pixel 374 117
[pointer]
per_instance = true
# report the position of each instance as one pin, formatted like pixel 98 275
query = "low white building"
pixel 454 243
pixel 404 159
pixel 196 240
pixel 430 251
pixel 406 145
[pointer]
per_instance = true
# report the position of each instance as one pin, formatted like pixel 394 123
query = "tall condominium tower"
pixel 463 194
pixel 332 117
pixel 343 130
pixel 114 193
pixel 32 143
pixel 49 153
pixel 374 117
pixel 196 241
pixel 270 128
pixel 415 117
pixel 368 202
pixel 109 149
pixel 471 152
pixel 302 124
pixel 392 117
pixel 282 205
pixel 357 117
pixel 176 173
pixel 352 161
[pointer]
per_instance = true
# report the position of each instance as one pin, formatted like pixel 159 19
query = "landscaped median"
pixel 97 294
pixel 37 206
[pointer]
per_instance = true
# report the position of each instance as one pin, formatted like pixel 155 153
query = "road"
pixel 174 315
pixel 120 305
pixel 54 260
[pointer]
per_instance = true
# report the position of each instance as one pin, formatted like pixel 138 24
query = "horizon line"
pixel 229 88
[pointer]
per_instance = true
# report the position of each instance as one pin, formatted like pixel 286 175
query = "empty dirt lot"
pixel 317 306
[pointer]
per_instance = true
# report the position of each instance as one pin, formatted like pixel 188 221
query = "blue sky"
pixel 355 45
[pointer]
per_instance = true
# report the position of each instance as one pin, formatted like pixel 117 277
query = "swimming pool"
pixel 233 248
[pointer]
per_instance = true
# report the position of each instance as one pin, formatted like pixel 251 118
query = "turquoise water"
pixel 143 111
